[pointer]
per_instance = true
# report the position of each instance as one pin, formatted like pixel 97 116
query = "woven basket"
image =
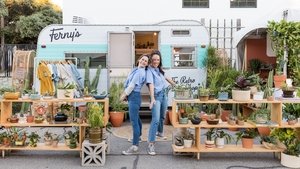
pixel 11 95
pixel 269 145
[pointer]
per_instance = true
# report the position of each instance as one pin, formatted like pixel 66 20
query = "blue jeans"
pixel 134 104
pixel 158 115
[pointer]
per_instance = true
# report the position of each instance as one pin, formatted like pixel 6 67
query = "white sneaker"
pixel 130 140
pixel 161 136
pixel 151 149
pixel 131 150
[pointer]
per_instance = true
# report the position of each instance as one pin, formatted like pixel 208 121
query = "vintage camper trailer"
pixel 183 44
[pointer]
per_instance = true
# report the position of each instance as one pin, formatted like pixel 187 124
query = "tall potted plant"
pixel 117 112
pixel 96 120
pixel 286 40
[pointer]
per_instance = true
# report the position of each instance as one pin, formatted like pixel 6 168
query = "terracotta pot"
pixel 247 142
pixel 169 113
pixel 279 80
pixel 116 118
pixel 264 131
pixel 29 118
pixel 225 115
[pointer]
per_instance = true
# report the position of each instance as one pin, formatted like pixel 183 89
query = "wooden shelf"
pixel 192 149
pixel 276 118
pixel 44 124
pixel 204 124
pixel 7 111
pixel 42 146
pixel 230 101
pixel 237 148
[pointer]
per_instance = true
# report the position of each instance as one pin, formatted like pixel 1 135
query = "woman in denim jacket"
pixel 132 93
pixel 157 83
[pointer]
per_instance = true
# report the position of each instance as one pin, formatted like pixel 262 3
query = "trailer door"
pixel 120 53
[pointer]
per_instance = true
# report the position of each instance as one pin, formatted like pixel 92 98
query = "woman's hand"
pixel 123 97
pixel 152 103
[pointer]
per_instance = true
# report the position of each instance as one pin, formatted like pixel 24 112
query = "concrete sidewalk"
pixel 163 159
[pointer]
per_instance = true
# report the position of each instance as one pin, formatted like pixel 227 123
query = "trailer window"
pixel 184 57
pixel 96 59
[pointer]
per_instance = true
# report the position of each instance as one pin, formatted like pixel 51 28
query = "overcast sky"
pixel 58 2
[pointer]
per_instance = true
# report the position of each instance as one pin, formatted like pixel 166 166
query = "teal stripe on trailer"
pixel 59 50
pixel 202 55
pixel 166 52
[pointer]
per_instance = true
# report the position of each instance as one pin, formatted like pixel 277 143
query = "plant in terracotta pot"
pixel 95 116
pixel 291 111
pixel 247 136
pixel 117 106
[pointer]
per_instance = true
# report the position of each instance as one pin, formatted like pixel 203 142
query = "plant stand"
pixel 93 154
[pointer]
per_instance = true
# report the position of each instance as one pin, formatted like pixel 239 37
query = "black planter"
pixel 60 117
pixel 196 120
pixel 288 93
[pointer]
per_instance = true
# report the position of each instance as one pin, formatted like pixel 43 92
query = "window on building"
pixel 184 57
pixel 243 3
pixel 96 59
pixel 195 4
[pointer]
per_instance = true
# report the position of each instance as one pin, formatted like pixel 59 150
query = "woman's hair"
pixel 157 52
pixel 137 61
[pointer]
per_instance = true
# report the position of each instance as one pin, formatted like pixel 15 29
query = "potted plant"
pixel 241 91
pixel 288 91
pixel 291 111
pixel 55 139
pixel 188 138
pixel 71 138
pixel 203 93
pixel 65 91
pixel 247 136
pixel 48 138
pixel 292 120
pixel 117 106
pixel 183 114
pixel 33 139
pixel 220 137
pixel 223 93
pixel 210 142
pixel 290 157
pixel 182 92
pixel 95 116
pixel 61 116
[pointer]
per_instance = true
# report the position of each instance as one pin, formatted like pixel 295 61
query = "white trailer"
pixel 182 43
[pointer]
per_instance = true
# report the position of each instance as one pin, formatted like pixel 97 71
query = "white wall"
pixel 152 11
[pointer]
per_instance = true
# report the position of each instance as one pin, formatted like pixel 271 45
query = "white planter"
pixel 258 96
pixel 290 161
pixel 241 95
pixel 65 93
pixel 188 143
pixel 220 142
